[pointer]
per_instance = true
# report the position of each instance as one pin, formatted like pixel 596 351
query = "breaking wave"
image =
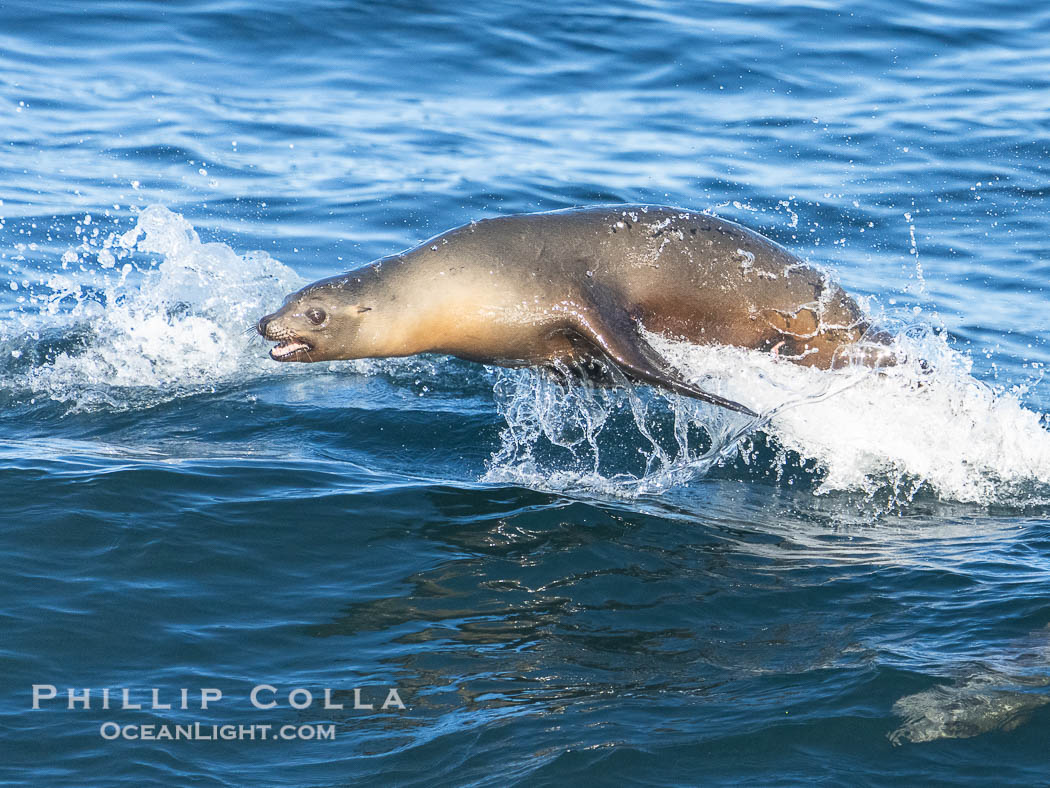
pixel 888 434
pixel 143 317
pixel 154 313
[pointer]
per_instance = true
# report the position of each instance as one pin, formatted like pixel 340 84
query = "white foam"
pixel 160 315
pixel 901 429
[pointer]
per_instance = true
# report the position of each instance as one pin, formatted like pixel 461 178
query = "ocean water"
pixel 556 584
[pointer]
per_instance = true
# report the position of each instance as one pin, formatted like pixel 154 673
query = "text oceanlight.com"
pixel 208 732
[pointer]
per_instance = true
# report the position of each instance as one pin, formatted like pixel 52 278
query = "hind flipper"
pixel 618 340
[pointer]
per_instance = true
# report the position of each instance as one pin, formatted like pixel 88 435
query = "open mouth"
pixel 290 350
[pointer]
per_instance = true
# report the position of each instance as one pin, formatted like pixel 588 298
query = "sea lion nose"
pixel 263 323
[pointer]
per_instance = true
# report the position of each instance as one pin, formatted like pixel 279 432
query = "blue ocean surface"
pixel 431 572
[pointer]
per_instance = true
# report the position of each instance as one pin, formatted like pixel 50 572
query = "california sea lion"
pixel 571 287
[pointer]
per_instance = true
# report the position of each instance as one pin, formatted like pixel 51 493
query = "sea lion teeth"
pixel 286 349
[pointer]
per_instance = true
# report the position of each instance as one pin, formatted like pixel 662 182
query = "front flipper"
pixel 618 340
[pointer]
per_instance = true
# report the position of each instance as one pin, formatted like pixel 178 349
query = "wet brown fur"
pixel 568 286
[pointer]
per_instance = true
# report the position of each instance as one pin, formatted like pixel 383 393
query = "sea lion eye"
pixel 316 316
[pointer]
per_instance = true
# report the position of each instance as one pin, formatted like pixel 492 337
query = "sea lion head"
pixel 321 322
